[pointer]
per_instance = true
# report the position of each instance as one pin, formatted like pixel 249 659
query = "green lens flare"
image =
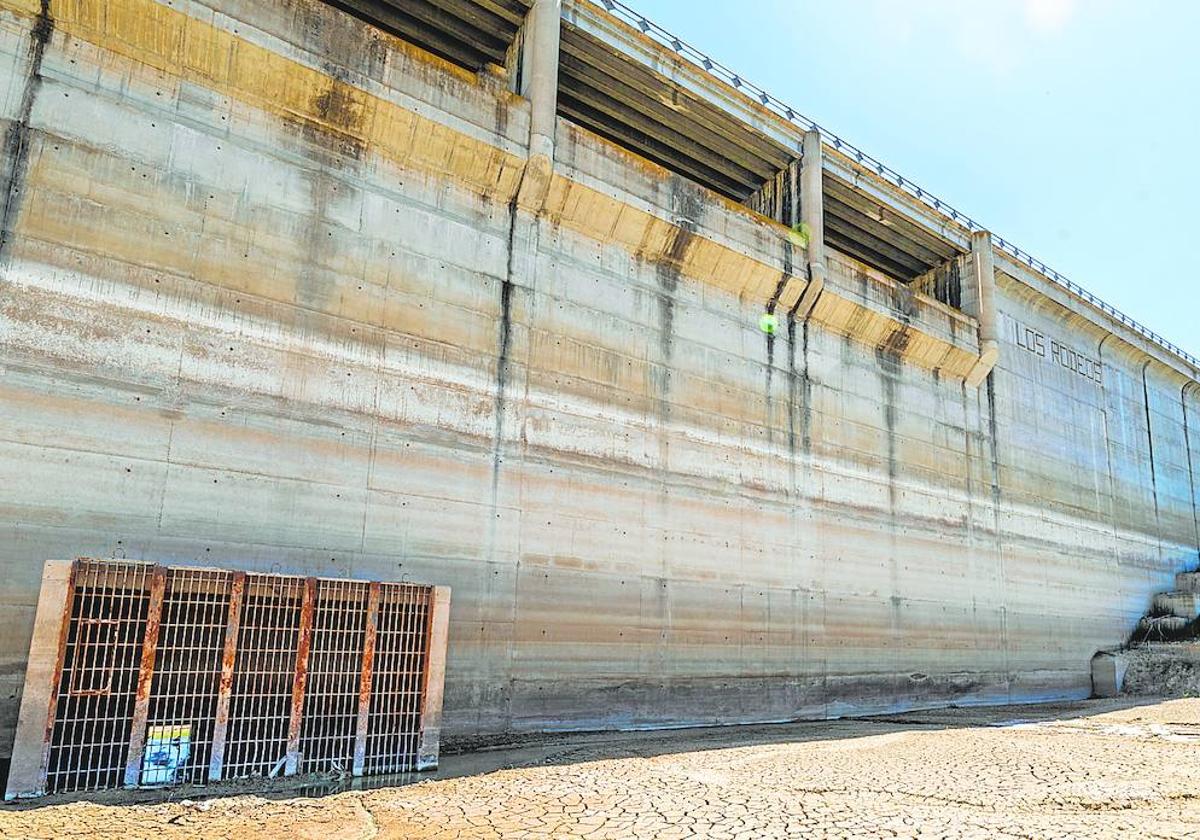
pixel 768 323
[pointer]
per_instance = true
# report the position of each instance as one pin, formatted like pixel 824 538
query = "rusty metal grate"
pixel 335 668
pixel 168 675
pixel 96 688
pixel 397 678
pixel 266 671
pixel 187 667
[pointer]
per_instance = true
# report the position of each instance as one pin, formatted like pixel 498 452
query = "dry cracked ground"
pixel 1093 769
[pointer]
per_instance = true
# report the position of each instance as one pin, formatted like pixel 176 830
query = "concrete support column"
pixel 812 219
pixel 983 296
pixel 539 84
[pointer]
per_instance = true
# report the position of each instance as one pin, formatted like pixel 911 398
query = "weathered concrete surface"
pixel 267 302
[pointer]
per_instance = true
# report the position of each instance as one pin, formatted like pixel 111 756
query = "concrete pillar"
pixel 31 747
pixel 983 298
pixel 812 219
pixel 1108 674
pixel 539 84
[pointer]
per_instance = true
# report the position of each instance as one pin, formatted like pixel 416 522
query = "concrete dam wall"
pixel 281 290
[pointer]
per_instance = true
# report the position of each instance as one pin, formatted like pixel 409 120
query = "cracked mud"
pixel 1094 769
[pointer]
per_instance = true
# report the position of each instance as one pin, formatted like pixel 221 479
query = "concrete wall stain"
pixel 1187 445
pixel 17 136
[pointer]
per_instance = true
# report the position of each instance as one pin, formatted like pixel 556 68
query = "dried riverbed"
pixel 1091 769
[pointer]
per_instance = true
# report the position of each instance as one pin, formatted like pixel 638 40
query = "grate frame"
pixel 150 675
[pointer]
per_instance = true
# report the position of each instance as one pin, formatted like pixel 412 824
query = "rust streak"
pixel 300 680
pixel 225 688
pixel 365 678
pixel 141 707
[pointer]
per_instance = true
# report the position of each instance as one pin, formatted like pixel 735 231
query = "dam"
pixel 470 293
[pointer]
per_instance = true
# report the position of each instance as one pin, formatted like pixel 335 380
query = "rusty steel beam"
pixel 233 625
pixel 300 680
pixel 141 706
pixel 366 674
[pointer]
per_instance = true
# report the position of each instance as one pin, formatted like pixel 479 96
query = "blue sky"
pixel 1071 127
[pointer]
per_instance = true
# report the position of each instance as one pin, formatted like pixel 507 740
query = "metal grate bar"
pixel 366 676
pixel 181 723
pixel 264 680
pixel 141 703
pixel 225 687
pixel 300 676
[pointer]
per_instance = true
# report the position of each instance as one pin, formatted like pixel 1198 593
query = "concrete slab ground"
pixel 1090 769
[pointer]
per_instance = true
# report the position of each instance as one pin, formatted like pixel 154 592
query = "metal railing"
pixel 782 109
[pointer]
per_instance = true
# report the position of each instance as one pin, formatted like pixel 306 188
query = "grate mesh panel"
pixel 397 684
pixel 334 667
pixel 98 683
pixel 189 675
pixel 260 706
pixel 187 671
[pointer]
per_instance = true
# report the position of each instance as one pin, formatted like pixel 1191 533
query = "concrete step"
pixel 1184 604
pixel 1188 582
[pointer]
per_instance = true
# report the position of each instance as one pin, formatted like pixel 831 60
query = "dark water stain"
pixel 16 138
pixel 332 140
pixel 993 440
pixel 888 356
pixel 784 276
pixel 318 239
pixel 793 386
pixel 1187 448
pixel 335 131
pixel 1150 444
pixel 904 302
pixel 343 38
pixel 501 117
pixel 686 204
pixel 806 395
pixel 504 342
